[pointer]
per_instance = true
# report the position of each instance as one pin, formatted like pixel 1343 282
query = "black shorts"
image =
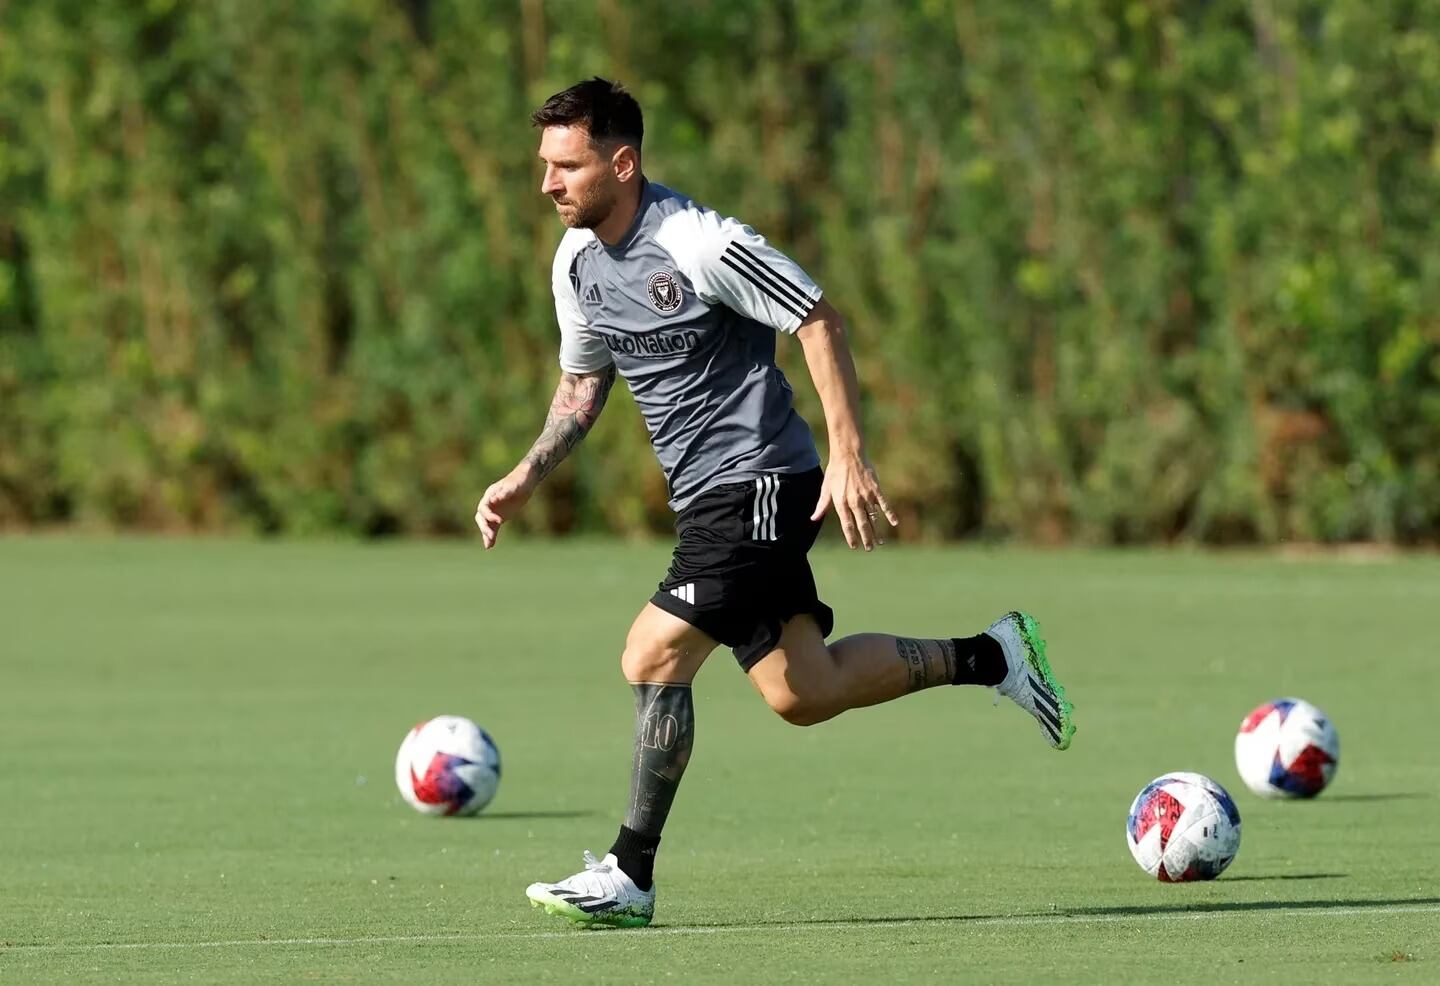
pixel 740 568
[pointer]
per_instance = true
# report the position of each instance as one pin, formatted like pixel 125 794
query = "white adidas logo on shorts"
pixel 685 592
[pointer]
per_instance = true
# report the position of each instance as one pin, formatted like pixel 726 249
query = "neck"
pixel 618 223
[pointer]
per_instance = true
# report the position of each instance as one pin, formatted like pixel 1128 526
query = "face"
pixel 583 180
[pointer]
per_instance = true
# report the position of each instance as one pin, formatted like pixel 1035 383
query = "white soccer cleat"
pixel 1029 682
pixel 601 894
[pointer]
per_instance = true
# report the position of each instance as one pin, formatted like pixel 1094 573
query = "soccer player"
pixel 685 304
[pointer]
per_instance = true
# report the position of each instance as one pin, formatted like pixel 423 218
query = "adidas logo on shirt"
pixel 592 294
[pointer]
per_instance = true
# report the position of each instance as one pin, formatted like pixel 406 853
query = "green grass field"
pixel 198 741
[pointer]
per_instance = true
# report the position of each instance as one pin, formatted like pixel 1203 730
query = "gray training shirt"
pixel 686 306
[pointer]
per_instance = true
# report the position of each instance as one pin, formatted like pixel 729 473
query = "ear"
pixel 625 162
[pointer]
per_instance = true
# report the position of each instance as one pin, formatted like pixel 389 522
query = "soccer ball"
pixel 1183 827
pixel 1287 749
pixel 447 766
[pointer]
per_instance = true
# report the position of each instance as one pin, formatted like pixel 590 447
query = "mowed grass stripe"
pixel 1002 920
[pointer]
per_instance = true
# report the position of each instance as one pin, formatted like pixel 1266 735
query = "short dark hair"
pixel 604 108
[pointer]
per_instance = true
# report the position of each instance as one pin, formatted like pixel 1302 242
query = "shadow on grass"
pixel 481 816
pixel 1286 876
pixel 1119 913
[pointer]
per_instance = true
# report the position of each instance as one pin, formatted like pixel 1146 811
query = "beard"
pixel 587 212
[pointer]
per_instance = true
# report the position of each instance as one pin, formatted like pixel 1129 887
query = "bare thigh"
pixel 807 681
pixel 661 647
pixel 799 679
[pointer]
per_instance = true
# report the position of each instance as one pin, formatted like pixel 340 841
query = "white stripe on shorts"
pixel 774 506
pixel 767 495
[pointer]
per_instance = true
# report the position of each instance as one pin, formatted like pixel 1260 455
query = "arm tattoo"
pixel 929 662
pixel 577 403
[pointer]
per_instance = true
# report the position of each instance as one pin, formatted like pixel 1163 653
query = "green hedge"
pixel 1116 272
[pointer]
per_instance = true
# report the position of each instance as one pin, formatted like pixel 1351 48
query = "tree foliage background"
pixel 1115 271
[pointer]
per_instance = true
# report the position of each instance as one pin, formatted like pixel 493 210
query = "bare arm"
pixel 850 481
pixel 578 401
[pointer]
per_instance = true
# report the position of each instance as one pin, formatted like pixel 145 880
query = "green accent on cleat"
pixel 1036 659
pixel 573 914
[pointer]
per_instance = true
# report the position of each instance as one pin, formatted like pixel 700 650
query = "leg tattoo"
pixel 928 662
pixel 664 734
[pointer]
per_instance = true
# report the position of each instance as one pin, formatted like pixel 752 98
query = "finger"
pixel 487 529
pixel 863 525
pixel 488 501
pixel 823 503
pixel 488 526
pixel 847 526
pixel 487 519
pixel 888 510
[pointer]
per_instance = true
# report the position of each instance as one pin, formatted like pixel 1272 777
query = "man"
pixel 684 305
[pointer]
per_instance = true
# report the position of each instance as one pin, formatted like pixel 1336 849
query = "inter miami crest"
pixel 664 292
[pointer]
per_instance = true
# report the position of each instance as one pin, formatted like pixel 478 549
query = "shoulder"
pixel 574 241
pixel 694 234
pixel 678 215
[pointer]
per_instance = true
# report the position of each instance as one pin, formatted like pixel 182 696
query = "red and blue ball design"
pixel 1287 748
pixel 1183 827
pixel 447 766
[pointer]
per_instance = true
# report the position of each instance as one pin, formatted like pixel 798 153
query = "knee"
pixel 650 660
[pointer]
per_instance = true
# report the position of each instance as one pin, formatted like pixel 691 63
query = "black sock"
pixel 635 854
pixel 979 660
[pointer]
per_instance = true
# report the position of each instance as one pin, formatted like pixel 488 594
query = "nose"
pixel 550 184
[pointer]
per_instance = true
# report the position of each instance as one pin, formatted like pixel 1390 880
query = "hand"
pixel 502 501
pixel 850 484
